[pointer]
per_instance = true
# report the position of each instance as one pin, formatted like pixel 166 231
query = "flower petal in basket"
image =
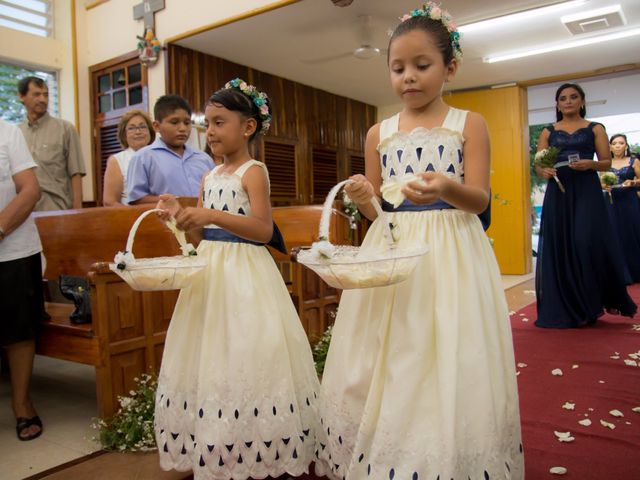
pixel 349 268
pixel 159 273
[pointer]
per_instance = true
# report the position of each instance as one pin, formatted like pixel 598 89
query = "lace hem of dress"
pixel 227 435
pixel 345 451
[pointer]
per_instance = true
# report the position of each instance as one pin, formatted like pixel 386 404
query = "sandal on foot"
pixel 23 423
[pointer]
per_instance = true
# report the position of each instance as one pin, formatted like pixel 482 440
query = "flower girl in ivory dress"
pixel 420 378
pixel 237 388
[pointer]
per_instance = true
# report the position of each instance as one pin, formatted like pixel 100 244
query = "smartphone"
pixel 573 158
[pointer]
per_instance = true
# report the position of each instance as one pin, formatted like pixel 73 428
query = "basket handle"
pixel 327 207
pixel 136 224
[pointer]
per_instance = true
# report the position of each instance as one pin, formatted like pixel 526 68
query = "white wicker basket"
pixel 158 273
pixel 347 267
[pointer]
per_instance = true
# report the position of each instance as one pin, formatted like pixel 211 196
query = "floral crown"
pixel 434 12
pixel 258 98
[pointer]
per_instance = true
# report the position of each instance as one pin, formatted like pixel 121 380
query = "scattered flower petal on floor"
pixel 616 413
pixel 557 372
pixel 517 374
pixel 636 409
pixel 615 357
pixel 569 406
pixel 525 319
pixel 558 470
pixel 600 381
pixel 575 366
pixel 631 363
pixel 590 409
pixel 586 422
pixel 607 424
pixel 522 365
pixel 635 327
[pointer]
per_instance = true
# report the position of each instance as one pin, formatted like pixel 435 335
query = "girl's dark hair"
pixel 627 152
pixel 578 88
pixel 434 28
pixel 236 101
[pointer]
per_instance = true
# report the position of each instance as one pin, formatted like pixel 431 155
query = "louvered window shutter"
pixel 281 163
pixel 325 172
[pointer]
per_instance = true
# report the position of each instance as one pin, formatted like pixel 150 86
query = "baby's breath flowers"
pixel 131 428
pixel 321 348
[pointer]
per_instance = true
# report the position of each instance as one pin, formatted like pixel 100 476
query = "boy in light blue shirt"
pixel 168 165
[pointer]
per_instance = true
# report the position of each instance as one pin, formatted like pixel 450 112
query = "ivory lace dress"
pixel 237 387
pixel 420 378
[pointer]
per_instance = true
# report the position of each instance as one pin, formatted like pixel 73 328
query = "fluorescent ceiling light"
pixel 562 46
pixel 591 13
pixel 524 15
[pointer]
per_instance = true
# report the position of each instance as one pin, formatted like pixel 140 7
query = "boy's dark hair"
pixel 564 86
pixel 236 101
pixel 434 28
pixel 167 104
pixel 23 84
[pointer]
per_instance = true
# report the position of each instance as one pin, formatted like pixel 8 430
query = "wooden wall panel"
pixel 303 116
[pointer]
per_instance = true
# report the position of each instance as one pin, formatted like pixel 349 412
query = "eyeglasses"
pixel 137 128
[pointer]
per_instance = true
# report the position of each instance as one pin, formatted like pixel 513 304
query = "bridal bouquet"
pixel 609 179
pixel 546 158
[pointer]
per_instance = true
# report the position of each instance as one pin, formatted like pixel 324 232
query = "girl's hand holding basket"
pixel 359 189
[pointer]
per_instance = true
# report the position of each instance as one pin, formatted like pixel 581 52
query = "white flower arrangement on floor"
pixel 131 428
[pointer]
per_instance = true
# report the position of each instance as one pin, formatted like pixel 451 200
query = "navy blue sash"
pixel 221 235
pixel 407 206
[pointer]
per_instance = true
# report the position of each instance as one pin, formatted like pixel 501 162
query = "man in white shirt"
pixel 21 296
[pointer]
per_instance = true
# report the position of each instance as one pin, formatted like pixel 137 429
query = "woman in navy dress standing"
pixel 579 272
pixel 624 205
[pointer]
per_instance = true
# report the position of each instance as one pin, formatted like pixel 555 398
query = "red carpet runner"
pixel 596 380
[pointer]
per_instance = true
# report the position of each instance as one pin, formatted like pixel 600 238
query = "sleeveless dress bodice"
pixel 581 142
pixel 422 150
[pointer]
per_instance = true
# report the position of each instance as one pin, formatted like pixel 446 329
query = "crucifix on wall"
pixel 148 44
pixel 146 10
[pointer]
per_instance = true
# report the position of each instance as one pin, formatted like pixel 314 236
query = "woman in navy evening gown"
pixel 579 271
pixel 624 205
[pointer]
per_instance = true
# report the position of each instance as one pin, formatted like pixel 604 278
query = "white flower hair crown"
pixel 258 98
pixel 434 12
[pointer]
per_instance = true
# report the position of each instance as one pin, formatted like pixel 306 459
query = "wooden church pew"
pixel 128 328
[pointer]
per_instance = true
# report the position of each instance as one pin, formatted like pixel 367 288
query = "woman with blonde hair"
pixel 135 131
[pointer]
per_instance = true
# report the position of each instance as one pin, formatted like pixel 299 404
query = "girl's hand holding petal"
pixel 361 190
pixel 193 217
pixel 170 206
pixel 428 189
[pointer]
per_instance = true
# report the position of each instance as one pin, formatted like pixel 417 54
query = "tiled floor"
pixel 64 394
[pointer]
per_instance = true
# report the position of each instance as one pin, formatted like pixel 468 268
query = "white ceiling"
pixel 289 42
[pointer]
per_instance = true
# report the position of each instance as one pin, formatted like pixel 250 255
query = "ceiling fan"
pixel 364 51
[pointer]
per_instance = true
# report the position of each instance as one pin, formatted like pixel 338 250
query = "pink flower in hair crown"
pixel 258 98
pixel 434 12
